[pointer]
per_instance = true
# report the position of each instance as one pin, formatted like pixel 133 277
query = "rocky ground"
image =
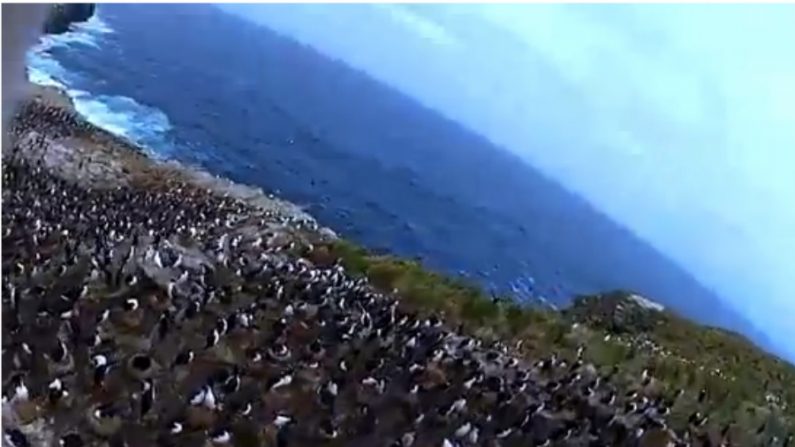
pixel 146 303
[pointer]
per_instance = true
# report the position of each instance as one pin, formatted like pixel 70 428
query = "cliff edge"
pixel 62 15
pixel 137 262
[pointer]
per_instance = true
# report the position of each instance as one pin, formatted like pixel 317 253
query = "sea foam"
pixel 119 115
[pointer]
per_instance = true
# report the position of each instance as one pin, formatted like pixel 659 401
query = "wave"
pixel 94 25
pixel 44 69
pixel 120 115
pixel 46 72
pixel 84 33
pixel 124 117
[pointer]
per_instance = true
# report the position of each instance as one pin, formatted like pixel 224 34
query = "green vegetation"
pixel 460 302
pixel 745 386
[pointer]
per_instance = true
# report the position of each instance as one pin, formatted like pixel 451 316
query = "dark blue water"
pixel 241 101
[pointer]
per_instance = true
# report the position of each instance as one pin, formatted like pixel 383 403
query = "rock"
pixel 321 256
pixel 328 234
pixel 280 239
pixel 64 14
pixel 618 311
pixel 645 302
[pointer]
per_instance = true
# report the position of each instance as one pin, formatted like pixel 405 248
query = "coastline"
pixel 110 158
pixel 103 160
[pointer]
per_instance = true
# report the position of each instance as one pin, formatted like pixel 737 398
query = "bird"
pixel 15 438
pixel 104 420
pixel 173 314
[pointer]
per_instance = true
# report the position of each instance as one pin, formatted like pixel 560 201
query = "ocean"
pixel 194 84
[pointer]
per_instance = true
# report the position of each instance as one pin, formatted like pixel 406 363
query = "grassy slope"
pixel 679 353
pixel 737 376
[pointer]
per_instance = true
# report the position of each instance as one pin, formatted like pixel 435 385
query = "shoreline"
pixel 618 329
pixel 133 163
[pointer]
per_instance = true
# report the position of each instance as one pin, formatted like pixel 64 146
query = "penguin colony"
pixel 172 316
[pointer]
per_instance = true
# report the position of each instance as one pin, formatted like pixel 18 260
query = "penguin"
pixel 104 420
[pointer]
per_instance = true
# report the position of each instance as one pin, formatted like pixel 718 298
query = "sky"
pixel 676 120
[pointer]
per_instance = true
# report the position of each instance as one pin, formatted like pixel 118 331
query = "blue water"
pixel 197 85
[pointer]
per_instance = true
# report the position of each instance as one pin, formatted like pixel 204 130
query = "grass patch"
pixel 738 377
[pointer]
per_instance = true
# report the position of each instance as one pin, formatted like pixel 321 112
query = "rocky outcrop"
pixel 64 14
pixel 618 311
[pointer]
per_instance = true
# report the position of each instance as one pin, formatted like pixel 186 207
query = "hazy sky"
pixel 676 120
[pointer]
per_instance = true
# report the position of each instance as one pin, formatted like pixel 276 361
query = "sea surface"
pixel 192 83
